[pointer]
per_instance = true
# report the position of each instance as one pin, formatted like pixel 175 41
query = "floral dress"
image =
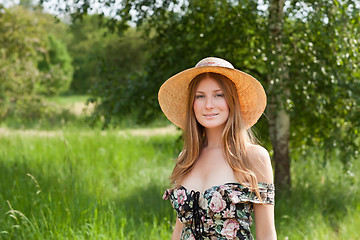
pixel 221 212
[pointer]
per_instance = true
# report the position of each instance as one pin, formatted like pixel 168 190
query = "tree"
pixel 304 53
pixel 57 68
pixel 21 42
pixel 92 45
pixel 23 45
pixel 119 88
pixel 278 92
pixel 86 45
pixel 312 81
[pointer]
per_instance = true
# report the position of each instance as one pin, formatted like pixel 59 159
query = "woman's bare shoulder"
pixel 261 162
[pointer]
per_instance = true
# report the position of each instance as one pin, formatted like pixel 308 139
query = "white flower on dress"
pixel 228 213
pixel 209 221
pixel 234 197
pixel 203 202
pixel 217 204
pixel 230 228
pixel 181 196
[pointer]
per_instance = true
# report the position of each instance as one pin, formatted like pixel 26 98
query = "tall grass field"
pixel 86 184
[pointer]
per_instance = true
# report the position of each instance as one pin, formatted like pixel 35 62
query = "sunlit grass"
pixel 323 199
pixel 69 99
pixel 86 184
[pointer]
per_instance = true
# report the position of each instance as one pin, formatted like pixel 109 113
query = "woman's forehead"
pixel 208 84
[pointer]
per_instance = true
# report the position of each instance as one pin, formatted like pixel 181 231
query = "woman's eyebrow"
pixel 217 90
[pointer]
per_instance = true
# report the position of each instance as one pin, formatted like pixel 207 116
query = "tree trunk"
pixel 279 119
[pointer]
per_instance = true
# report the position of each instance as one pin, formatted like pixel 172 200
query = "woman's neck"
pixel 213 137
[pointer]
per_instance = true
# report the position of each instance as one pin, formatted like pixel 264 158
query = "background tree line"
pixel 305 53
pixel 42 56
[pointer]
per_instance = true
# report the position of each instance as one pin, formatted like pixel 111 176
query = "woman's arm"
pixel 177 230
pixel 264 222
pixel 263 213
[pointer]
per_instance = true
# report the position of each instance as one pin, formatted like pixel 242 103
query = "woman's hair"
pixel 235 136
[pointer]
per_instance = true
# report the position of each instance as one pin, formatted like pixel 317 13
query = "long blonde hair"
pixel 235 136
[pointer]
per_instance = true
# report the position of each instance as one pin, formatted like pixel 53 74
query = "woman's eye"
pixel 219 95
pixel 199 96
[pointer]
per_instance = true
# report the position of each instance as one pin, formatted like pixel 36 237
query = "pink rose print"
pixel 181 196
pixel 217 204
pixel 230 228
pixel 234 197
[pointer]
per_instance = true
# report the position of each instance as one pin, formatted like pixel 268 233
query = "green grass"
pixel 65 111
pixel 69 99
pixel 86 184
pixel 324 202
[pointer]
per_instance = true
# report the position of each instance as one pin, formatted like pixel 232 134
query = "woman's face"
pixel 210 107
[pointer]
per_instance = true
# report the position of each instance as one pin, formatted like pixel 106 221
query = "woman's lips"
pixel 212 115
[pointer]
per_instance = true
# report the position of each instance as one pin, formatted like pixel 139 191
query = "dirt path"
pixel 80 108
pixel 146 132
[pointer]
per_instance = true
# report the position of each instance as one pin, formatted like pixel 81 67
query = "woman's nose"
pixel 209 103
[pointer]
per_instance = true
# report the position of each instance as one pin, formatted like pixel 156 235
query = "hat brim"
pixel 174 91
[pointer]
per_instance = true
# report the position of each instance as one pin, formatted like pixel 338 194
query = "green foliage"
pixel 86 45
pixel 20 43
pixel 321 53
pixel 21 35
pixel 57 68
pixel 30 64
pixel 109 67
pixel 57 28
pixel 100 55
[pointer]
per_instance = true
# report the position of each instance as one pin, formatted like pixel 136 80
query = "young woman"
pixel 222 175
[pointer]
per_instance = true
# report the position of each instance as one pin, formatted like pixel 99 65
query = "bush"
pixel 33 111
pixel 56 67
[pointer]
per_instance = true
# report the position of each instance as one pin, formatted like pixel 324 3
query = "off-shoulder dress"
pixel 221 212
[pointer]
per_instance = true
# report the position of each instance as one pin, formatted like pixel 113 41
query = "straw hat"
pixel 174 92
